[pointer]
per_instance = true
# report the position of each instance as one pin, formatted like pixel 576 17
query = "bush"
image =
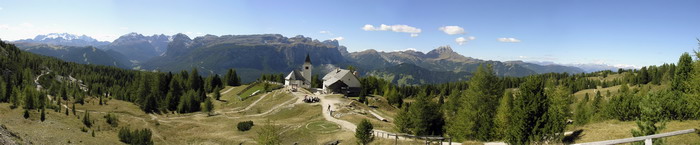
pixel 112 120
pixel 136 137
pixel 363 133
pixel 245 125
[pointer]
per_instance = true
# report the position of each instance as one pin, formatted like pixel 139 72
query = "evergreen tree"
pixel 557 114
pixel 682 73
pixel 231 78
pixel 426 117
pixel 14 97
pixel 503 112
pixel 26 114
pixel 217 93
pixel 402 121
pixel 208 106
pixel 43 113
pixel 195 81
pixel 651 115
pixel 581 113
pixel 529 118
pixel 30 98
pixel 74 109
pixel 86 119
pixel 363 133
pixel 172 98
pixel 475 119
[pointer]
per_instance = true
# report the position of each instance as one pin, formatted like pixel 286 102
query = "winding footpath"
pixel 335 104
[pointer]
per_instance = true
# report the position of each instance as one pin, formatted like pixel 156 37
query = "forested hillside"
pixel 537 109
pixel 152 91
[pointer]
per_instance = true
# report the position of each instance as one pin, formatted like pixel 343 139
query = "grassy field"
pixel 613 129
pixel 191 128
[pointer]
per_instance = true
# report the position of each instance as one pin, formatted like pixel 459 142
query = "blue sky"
pixel 617 32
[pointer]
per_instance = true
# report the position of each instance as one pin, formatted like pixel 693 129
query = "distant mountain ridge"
pixel 444 59
pixel 250 54
pixel 78 54
pixel 255 54
pixel 140 48
pixel 65 39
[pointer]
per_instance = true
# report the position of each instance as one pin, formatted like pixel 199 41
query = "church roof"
pixel 337 75
pixel 295 75
pixel 308 59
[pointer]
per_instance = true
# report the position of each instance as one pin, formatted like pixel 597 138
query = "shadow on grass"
pixel 569 139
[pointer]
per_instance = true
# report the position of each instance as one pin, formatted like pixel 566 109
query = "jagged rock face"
pixel 268 53
pixel 179 45
pixel 138 47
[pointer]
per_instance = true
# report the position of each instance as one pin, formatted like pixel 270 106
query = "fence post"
pixel 648 142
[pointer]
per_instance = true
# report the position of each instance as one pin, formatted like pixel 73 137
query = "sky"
pixel 614 32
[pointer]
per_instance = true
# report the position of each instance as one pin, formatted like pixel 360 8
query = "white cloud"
pixel 325 32
pixel 407 49
pixel 462 40
pixel 395 28
pixel 338 38
pixel 509 40
pixel 626 66
pixel 4 27
pixel 452 30
pixel 368 27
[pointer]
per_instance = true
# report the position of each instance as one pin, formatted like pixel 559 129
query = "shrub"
pixel 363 133
pixel 135 137
pixel 112 120
pixel 245 125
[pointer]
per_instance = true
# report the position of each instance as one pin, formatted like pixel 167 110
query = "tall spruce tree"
pixel 474 120
pixel 528 117
pixel 503 112
pixel 682 73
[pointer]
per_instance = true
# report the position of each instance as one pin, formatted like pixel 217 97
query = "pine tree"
pixel 475 118
pixel 195 81
pixel 74 109
pixel 682 72
pixel 86 119
pixel 651 115
pixel 502 119
pixel 26 114
pixel 208 106
pixel 363 133
pixel 43 113
pixel 402 121
pixel 557 113
pixel 425 117
pixel 217 93
pixel 528 117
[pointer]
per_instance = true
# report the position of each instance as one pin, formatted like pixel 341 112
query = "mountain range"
pixel 253 55
pixel 65 39
pixel 78 54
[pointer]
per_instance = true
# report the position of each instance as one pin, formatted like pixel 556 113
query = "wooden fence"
pixel 647 139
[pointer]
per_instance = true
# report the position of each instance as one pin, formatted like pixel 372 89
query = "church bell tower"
pixel 306 69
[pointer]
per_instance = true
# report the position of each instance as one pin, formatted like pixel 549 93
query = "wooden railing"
pixel 647 139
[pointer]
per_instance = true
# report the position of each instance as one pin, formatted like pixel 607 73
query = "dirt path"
pixel 336 103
